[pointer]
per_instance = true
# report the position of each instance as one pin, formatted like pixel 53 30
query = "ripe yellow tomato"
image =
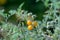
pixel 34 23
pixel 29 22
pixel 31 39
pixel 30 27
pixel 2 2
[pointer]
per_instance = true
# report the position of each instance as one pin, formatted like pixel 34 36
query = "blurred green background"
pixel 37 8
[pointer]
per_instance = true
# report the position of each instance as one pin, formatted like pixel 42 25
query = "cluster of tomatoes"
pixel 31 24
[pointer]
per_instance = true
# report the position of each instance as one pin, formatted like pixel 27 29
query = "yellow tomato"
pixel 29 22
pixel 35 23
pixel 31 39
pixel 30 27
pixel 2 2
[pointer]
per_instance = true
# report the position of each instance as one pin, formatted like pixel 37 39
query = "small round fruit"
pixel 29 22
pixel 30 27
pixel 2 2
pixel 35 23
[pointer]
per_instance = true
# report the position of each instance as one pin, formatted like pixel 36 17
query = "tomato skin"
pixel 29 22
pixel 35 23
pixel 30 27
pixel 2 2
